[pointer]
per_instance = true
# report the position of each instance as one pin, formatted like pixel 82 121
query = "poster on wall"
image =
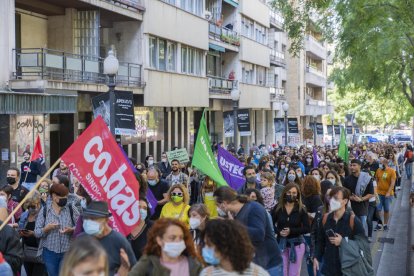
pixel 319 128
pixel 228 121
pixel 28 127
pixel 243 122
pixel 293 126
pixel 330 129
pixel 337 129
pixel 279 125
pixel 349 130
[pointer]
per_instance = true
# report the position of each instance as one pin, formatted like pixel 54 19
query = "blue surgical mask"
pixel 143 213
pixel 152 182
pixel 92 227
pixel 209 256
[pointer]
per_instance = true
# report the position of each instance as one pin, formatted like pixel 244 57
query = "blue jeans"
pixel 52 261
pixel 309 264
pixel 276 271
pixel 384 202
pixel 409 170
pixel 364 223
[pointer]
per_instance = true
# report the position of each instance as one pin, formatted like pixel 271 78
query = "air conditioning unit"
pixel 208 15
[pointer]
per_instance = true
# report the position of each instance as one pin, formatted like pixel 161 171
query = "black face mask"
pixel 290 198
pixel 62 202
pixel 11 180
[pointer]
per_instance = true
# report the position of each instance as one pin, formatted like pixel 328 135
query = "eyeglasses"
pixel 176 194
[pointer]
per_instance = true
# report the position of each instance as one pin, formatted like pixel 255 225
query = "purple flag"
pixel 152 201
pixel 315 158
pixel 231 168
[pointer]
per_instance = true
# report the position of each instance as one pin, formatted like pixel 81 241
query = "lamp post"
pixel 285 107
pixel 333 129
pixel 314 130
pixel 235 97
pixel 111 66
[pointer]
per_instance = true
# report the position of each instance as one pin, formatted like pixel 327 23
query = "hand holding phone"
pixel 330 233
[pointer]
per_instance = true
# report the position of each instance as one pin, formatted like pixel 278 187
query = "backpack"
pixel 410 156
pixel 351 220
pixel 70 211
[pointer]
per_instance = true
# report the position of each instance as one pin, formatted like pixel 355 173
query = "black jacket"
pixel 11 248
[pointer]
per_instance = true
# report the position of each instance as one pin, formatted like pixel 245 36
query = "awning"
pixel 216 47
pixel 34 103
pixel 233 3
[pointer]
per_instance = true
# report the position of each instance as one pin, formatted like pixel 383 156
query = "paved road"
pixel 391 258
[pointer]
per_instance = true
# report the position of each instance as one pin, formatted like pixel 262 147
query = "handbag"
pixel 30 254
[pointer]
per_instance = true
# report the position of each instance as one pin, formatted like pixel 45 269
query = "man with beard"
pixel 176 176
pixel 362 189
pixel 64 170
pixel 29 171
pixel 251 180
pixel 13 179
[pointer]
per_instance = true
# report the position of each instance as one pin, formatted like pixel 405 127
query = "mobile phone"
pixel 330 233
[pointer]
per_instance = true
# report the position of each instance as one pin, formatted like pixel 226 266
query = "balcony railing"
pixel 277 57
pixel 47 64
pixel 276 19
pixel 220 85
pixel 313 70
pixel 135 4
pixel 223 34
pixel 277 93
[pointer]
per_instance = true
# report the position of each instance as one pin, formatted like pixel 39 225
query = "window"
pixel 247 73
pixel 213 64
pixel 254 30
pixel 162 54
pixel 260 75
pixel 247 27
pixel 193 6
pixel 261 33
pixel 191 61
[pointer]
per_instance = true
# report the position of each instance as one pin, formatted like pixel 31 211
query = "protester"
pixel 138 236
pixel 228 250
pixel 281 171
pixel 44 188
pixel 13 179
pixel 3 209
pixel 29 171
pixel 334 178
pixel 149 161
pixel 336 226
pixel 267 191
pixel 6 192
pixel 386 178
pixel 54 227
pixel 170 251
pixel 177 206
pixel 164 166
pixel 291 221
pixel 159 189
pixel 5 269
pixel 33 264
pixel 255 195
pixel 249 173
pixel 408 161
pixel 86 256
pixel 176 176
pixel 64 170
pixel 199 215
pixel 292 177
pixel 255 218
pixel 11 248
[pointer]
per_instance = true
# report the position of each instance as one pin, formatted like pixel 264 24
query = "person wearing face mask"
pixel 257 222
pixel 170 251
pixel 308 164
pixel 199 215
pixel 117 247
pixel 207 190
pixel 54 227
pixel 84 202
pixel 159 189
pixel 340 223
pixel 334 178
pixel 291 223
pixel 291 177
pixel 6 194
pixel 250 175
pixel 149 161
pixel 317 174
pixel 164 166
pixel 224 239
pixel 29 171
pixel 177 206
pixel 13 180
pixel 138 236
pixel 32 264
pixel 281 172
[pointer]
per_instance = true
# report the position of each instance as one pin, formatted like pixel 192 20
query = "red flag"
pixel 97 162
pixel 37 151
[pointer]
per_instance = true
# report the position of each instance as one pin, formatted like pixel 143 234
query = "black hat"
pixel 356 161
pixel 97 209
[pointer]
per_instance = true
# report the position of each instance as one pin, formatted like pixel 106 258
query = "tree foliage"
pixel 374 46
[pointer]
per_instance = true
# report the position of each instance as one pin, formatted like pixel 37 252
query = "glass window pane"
pixel 161 54
pixel 153 52
pixel 183 59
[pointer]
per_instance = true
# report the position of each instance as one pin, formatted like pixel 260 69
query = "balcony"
pixel 315 77
pixel 226 38
pixel 56 66
pixel 315 48
pixel 277 94
pixel 220 86
pixel 276 20
pixel 277 58
pixel 315 107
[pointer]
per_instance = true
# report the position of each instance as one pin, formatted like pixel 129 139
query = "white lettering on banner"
pixel 203 142
pixel 120 195
pixel 232 168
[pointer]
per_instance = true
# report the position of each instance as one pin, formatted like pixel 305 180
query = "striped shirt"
pixel 252 270
pixel 54 240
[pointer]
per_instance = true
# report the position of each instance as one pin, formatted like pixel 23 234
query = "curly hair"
pixel 186 197
pixel 231 240
pixel 310 186
pixel 158 230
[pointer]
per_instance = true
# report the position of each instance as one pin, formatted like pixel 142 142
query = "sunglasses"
pixel 176 194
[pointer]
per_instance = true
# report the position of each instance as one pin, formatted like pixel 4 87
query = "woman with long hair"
pixel 281 171
pixel 86 256
pixel 138 236
pixel 292 177
pixel 291 221
pixel 177 206
pixel 170 251
pixel 199 215
pixel 228 250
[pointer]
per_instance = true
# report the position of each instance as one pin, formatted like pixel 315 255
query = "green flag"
pixel 343 148
pixel 203 157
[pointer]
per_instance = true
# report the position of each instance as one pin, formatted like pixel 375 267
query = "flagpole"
pixel 29 194
pixel 27 172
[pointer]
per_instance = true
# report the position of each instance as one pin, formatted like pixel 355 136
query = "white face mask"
pixel 317 176
pixel 164 160
pixel 150 162
pixel 174 249
pixel 221 213
pixel 195 223
pixel 333 181
pixel 334 204
pixel 291 177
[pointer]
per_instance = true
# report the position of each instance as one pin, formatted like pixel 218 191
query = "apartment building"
pixel 176 56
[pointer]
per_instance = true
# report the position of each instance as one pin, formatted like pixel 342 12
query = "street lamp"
pixel 333 129
pixel 235 97
pixel 110 67
pixel 314 130
pixel 285 107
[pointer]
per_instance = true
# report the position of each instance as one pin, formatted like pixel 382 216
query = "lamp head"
pixel 285 106
pixel 111 64
pixel 235 95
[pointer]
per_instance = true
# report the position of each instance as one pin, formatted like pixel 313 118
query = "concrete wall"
pixel 7 40
pixel 33 32
pixel 175 90
pixel 254 96
pixel 254 52
pixel 60 31
pixel 166 21
pixel 256 10
pixel 128 41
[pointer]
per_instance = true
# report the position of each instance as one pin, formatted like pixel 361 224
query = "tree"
pixel 374 43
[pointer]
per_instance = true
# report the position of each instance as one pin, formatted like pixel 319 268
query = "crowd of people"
pixel 297 206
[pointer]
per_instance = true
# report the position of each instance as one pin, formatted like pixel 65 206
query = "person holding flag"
pixel 29 171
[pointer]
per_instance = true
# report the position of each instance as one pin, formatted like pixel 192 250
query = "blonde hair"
pixel 186 197
pixel 33 200
pixel 269 176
